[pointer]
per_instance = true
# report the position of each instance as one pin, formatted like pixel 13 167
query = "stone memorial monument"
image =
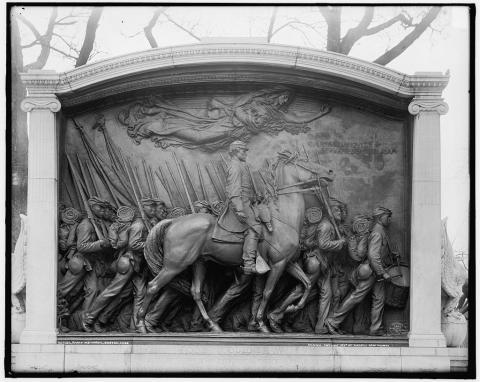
pixel 238 207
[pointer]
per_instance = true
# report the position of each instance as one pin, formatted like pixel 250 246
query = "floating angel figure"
pixel 260 111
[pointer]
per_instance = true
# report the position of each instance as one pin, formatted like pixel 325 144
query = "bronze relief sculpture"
pixel 183 238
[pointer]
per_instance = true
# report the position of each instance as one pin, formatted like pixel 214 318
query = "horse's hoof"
pixel 252 326
pixel 263 328
pixel 274 325
pixel 141 328
pixel 214 327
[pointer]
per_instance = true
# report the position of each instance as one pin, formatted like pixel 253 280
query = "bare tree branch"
pixel 63 53
pixel 398 49
pixel 182 27
pixel 89 39
pixel 30 26
pixel 44 40
pixel 332 16
pixel 153 21
pixel 355 34
pixel 378 28
pixel 291 23
pixel 272 22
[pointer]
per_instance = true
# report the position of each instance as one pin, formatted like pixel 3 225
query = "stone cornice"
pixel 421 105
pixel 113 73
pixel 34 103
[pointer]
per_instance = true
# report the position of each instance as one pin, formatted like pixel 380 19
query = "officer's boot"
pixel 250 252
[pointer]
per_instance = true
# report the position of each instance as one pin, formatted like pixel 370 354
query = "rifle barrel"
pixel 84 199
pixel 184 183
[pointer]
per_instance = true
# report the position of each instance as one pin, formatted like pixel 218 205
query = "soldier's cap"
pixel 361 217
pixel 95 200
pixel 336 202
pixel 160 202
pixel 147 201
pixel 70 215
pixel 175 212
pixel 125 214
pixel 110 206
pixel 378 211
pixel 201 203
pixel 314 215
pixel 237 145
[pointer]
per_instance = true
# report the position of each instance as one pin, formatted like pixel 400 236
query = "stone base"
pixel 38 337
pixel 426 340
pixel 253 354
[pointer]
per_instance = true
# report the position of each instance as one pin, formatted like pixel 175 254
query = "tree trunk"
pixel 18 136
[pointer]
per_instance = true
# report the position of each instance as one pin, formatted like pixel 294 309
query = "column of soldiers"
pixel 348 267
pixel 98 275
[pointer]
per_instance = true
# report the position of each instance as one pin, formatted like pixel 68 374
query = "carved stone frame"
pixel 336 74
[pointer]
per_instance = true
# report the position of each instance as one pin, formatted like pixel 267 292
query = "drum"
pixel 397 290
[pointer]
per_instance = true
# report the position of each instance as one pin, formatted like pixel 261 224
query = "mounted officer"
pixel 240 217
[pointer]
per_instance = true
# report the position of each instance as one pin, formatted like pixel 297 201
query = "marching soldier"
pixel 240 216
pixel 89 246
pixel 101 309
pixel 67 238
pixel 369 277
pixel 329 249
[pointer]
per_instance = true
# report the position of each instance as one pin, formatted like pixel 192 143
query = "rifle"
pixel 165 185
pixel 76 179
pixel 255 189
pixel 137 200
pixel 323 199
pixel 179 193
pixel 152 181
pixel 202 185
pixel 189 179
pixel 90 172
pixel 217 191
pixel 184 184
pixel 150 187
pixel 83 172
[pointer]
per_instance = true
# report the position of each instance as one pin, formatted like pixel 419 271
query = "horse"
pixel 174 245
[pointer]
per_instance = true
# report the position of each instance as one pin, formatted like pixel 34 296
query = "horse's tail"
pixel 153 250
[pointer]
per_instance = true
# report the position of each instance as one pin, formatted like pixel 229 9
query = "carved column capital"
pixel 420 105
pixel 32 103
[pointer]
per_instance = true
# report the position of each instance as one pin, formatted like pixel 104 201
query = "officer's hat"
pixel 336 202
pixel 378 211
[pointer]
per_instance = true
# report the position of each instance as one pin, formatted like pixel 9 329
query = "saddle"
pixel 228 229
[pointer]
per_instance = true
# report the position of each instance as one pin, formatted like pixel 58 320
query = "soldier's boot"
pixel 250 252
pixel 87 323
pixel 99 327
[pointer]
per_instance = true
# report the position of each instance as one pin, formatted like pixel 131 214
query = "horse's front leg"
pixel 296 271
pixel 199 271
pixel 153 287
pixel 272 279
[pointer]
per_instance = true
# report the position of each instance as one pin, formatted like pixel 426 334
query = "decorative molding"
pixel 50 103
pixel 300 62
pixel 419 105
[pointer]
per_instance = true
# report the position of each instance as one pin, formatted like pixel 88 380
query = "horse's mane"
pixel 270 172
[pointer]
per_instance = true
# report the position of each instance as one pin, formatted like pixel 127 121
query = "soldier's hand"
pixel 386 276
pixel 104 243
pixel 242 217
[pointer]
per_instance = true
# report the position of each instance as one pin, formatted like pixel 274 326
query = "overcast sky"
pixel 120 32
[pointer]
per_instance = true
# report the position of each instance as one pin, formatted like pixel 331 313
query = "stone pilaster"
pixel 425 306
pixel 41 270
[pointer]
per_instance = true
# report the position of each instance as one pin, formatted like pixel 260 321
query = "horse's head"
pixel 303 171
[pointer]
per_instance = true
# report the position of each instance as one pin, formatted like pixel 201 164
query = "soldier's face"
pixel 241 154
pixel 110 215
pixel 337 213
pixel 98 211
pixel 161 212
pixel 149 210
pixel 386 219
pixel 203 210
